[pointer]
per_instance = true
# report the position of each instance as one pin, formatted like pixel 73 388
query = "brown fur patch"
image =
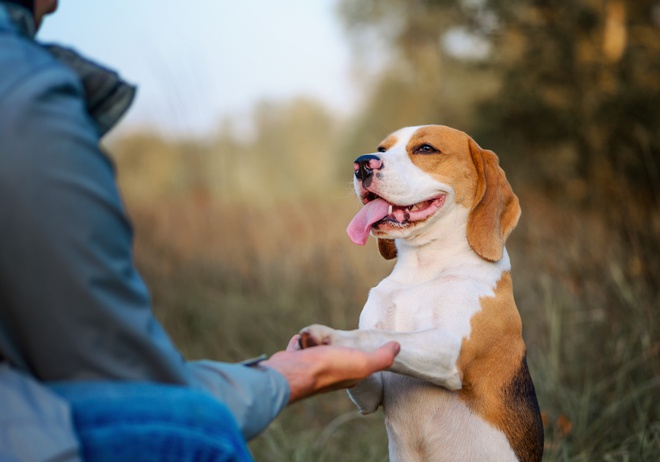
pixel 496 209
pixel 388 142
pixel 478 182
pixel 496 382
pixel 452 164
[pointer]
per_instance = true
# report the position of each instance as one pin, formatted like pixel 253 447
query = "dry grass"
pixel 233 280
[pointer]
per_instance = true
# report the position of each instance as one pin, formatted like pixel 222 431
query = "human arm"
pixel 72 305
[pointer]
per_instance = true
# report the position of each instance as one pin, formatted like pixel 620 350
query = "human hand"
pixel 325 368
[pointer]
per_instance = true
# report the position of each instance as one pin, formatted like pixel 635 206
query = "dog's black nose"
pixel 365 165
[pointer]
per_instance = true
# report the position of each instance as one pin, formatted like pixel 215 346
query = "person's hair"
pixel 29 4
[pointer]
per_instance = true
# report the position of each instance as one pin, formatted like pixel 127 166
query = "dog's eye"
pixel 425 149
pixel 381 149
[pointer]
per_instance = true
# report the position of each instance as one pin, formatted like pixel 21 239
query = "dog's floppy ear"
pixel 387 248
pixel 496 209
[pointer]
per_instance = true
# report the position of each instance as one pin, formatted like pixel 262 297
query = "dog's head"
pixel 418 176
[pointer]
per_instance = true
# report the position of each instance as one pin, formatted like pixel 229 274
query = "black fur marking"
pixel 523 424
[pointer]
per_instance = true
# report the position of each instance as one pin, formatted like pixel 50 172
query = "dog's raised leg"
pixel 429 355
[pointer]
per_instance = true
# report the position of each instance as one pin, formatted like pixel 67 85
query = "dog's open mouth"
pixel 379 213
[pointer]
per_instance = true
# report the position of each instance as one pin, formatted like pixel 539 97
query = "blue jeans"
pixel 128 421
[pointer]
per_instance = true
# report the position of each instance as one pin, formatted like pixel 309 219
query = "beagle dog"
pixel 459 390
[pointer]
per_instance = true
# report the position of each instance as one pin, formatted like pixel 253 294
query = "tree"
pixel 567 93
pixel 584 77
pixel 578 77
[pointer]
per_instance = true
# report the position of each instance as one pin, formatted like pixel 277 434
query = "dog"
pixel 460 389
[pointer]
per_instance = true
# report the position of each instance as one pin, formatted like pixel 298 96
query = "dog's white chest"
pixel 389 308
pixel 449 302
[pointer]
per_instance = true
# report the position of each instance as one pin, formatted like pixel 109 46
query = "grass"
pixel 232 280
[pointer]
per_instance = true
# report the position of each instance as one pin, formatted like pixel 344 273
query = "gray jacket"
pixel 72 305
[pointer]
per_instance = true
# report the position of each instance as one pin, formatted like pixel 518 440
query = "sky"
pixel 198 61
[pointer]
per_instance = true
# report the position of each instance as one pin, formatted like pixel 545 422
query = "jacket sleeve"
pixel 72 305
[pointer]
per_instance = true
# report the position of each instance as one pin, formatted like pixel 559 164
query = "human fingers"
pixel 383 357
pixel 350 364
pixel 345 367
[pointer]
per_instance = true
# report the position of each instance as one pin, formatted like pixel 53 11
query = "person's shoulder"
pixel 36 91
pixel 27 64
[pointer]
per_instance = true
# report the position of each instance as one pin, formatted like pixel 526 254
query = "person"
pixel 85 368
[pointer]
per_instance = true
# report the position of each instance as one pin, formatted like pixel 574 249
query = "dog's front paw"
pixel 316 334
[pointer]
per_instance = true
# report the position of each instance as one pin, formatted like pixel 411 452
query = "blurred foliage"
pixel 567 93
pixel 287 149
pixel 241 234
pixel 232 280
pixel 581 76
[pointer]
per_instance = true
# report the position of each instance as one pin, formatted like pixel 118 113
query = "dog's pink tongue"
pixel 359 227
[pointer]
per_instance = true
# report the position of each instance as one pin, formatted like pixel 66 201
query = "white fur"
pixel 425 304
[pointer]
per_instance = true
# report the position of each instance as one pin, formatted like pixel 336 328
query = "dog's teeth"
pixel 389 210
